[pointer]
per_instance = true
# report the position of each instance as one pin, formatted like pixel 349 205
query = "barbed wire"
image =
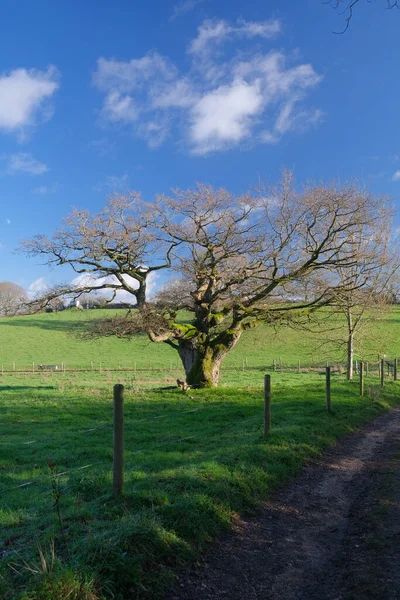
pixel 176 414
pixel 164 442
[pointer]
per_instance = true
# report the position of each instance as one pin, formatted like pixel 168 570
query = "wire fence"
pixel 360 367
pixel 175 367
pixel 108 464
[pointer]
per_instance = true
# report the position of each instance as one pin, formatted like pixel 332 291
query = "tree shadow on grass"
pixel 70 325
pixel 11 388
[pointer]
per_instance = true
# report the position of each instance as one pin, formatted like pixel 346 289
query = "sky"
pixel 107 96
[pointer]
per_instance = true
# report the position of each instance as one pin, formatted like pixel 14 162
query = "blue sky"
pixel 100 96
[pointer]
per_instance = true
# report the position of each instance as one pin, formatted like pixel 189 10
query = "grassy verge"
pixel 192 464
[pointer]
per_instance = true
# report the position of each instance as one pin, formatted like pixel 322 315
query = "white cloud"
pixel 217 104
pixel 8 221
pixel 223 117
pixel 45 190
pixel 23 162
pixel 214 32
pixel 121 296
pixel 396 176
pixel 24 98
pixel 39 286
pixel 112 183
pixel 183 7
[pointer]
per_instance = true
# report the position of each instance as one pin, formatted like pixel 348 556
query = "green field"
pixel 48 339
pixel 193 462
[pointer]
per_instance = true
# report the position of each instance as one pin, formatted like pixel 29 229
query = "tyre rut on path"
pixel 334 534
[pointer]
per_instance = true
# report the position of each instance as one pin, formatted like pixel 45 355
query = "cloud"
pixel 248 96
pixel 396 176
pixel 24 98
pixel 223 116
pixel 8 221
pixel 45 190
pixel 23 162
pixel 112 183
pixel 183 7
pixel 214 32
pixel 37 287
pixel 121 296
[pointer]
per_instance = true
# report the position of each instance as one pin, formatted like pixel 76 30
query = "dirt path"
pixel 334 534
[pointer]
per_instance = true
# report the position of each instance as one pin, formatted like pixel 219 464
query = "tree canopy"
pixel 232 262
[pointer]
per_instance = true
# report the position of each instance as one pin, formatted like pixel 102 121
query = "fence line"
pixel 62 473
pixel 244 366
pixel 108 426
pixel 166 441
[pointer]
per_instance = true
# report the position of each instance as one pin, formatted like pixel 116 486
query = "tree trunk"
pixel 202 362
pixel 350 356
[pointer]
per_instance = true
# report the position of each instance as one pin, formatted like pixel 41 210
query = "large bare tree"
pixel 234 262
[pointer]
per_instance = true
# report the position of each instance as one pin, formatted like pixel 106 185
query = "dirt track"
pixel 334 534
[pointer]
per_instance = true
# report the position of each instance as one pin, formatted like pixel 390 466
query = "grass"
pixel 46 339
pixel 192 464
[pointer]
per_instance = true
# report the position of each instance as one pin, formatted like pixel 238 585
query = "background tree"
pixel 13 299
pixel 237 261
pixel 370 292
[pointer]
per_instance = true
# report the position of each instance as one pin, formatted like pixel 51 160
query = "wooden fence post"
pixel 382 372
pixel 361 378
pixel 274 365
pixel 328 388
pixel 118 445
pixel 33 367
pixel 395 369
pixel 267 405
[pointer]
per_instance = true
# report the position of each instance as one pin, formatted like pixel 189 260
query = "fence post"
pixel 33 367
pixel 267 405
pixel 274 365
pixel 118 445
pixel 298 366
pixel 382 371
pixel 328 388
pixel 361 378
pixel 395 369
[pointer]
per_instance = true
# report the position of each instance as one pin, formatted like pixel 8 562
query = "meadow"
pixel 48 338
pixel 194 462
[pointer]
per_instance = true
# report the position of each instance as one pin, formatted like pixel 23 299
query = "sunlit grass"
pixel 192 463
pixel 48 339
